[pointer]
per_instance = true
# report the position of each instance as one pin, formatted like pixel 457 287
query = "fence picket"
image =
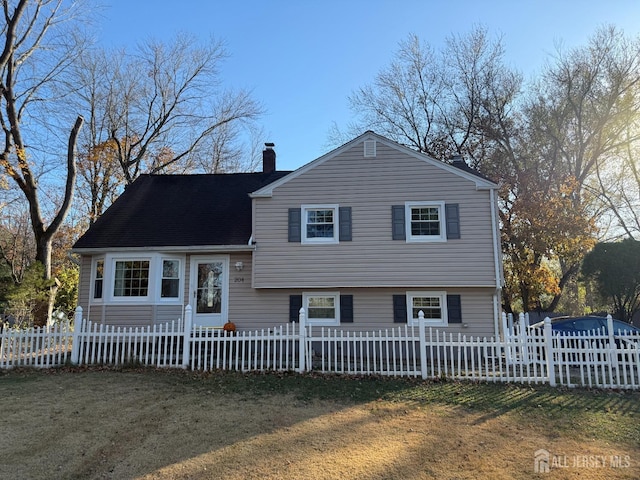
pixel 520 354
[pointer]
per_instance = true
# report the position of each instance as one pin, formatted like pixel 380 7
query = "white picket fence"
pixel 599 358
pixel 39 347
pixel 521 354
pixel 266 349
pixel 157 345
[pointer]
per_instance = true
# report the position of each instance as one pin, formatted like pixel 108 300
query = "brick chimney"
pixel 268 158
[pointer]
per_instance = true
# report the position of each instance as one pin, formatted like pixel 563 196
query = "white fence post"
pixel 302 347
pixel 610 330
pixel 548 347
pixel 77 327
pixel 423 345
pixel 186 336
pixel 523 339
pixel 612 357
pixel 505 326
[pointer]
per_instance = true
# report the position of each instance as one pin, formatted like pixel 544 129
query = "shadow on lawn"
pixel 160 422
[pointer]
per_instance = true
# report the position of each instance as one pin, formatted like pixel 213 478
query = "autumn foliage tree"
pixel 542 232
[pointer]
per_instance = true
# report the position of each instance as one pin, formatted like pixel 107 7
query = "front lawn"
pixel 166 424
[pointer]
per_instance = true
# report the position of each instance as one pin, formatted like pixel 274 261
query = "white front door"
pixel 209 290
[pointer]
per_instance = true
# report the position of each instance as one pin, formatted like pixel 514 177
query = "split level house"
pixel 363 238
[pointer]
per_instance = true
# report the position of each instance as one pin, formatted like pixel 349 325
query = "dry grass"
pixel 166 424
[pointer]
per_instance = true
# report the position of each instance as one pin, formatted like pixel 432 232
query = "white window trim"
pixel 328 322
pixel 439 322
pixel 154 291
pixel 158 280
pixel 425 238
pixel 112 279
pixel 94 272
pixel 303 224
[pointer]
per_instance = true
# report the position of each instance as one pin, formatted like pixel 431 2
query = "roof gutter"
pixel 164 248
pixel 496 240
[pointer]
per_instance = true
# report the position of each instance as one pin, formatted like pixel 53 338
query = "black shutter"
pixel 398 231
pixel 399 309
pixel 295 219
pixel 345 224
pixel 454 308
pixel 452 214
pixel 295 304
pixel 346 308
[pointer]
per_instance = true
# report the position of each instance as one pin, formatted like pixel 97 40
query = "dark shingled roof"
pixel 179 210
pixel 462 165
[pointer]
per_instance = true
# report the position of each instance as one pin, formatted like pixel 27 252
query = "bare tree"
pixel 225 153
pixel 98 85
pixel 544 145
pixel 36 53
pixel 438 103
pixel 584 103
pixel 617 189
pixel 159 109
pixel 578 124
pixel 167 97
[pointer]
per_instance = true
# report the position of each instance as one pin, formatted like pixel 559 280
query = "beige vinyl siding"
pixel 373 309
pixel 370 186
pixel 241 295
pixel 251 308
pixel 139 315
pixel 84 282
pixel 167 313
pixel 136 315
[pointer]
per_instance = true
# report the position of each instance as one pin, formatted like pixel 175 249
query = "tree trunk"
pixel 44 237
pixel 566 276
pixel 41 313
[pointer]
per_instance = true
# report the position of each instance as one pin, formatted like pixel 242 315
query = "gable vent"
pixel 369 148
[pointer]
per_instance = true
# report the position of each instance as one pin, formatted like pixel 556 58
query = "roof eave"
pixel 166 249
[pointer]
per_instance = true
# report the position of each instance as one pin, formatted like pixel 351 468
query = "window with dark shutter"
pixel 295 219
pixel 399 309
pixel 452 214
pixel 345 224
pixel 346 308
pixel 295 304
pixel 398 231
pixel 454 308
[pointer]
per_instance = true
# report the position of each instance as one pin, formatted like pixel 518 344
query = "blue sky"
pixel 303 58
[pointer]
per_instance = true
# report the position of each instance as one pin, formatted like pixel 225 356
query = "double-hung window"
pixel 131 278
pixel 170 282
pixel 425 222
pixel 98 279
pixel 322 308
pixel 432 304
pixel 320 224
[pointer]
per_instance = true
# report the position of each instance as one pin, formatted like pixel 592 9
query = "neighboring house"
pixel 363 237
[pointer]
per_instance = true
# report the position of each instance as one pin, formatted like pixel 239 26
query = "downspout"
pixel 496 260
